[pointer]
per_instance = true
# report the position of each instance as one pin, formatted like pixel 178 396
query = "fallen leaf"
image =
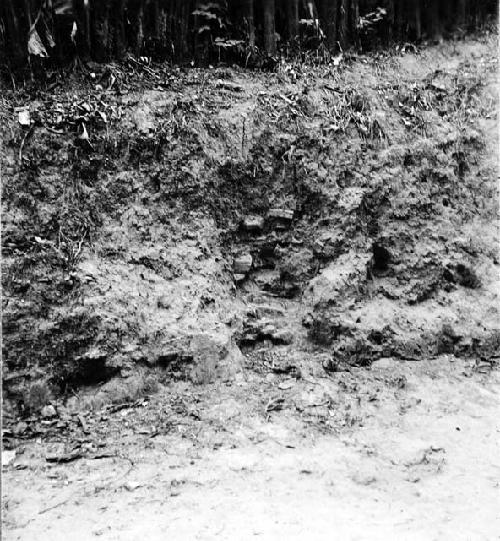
pixel 84 136
pixel 35 45
pixel 23 116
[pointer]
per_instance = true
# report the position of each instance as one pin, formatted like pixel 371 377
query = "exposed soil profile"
pixel 244 305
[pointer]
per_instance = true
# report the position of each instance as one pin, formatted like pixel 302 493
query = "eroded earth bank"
pixel 248 305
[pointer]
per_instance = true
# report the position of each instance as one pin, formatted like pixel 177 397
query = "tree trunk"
pixel 391 17
pixel 101 37
pixel 16 48
pixel 292 18
pixel 244 11
pixel 433 20
pixel 182 27
pixel 27 11
pixel 139 37
pixel 461 13
pixel 120 35
pixel 199 41
pixel 354 19
pixel 329 18
pixel 269 28
pixel 162 39
pixel 344 24
pixel 81 14
pixel 417 12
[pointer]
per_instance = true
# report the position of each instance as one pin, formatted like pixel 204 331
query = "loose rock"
pixel 281 214
pixel 8 457
pixel 242 264
pixel 48 412
pixel 282 336
pixel 253 223
pixel 269 311
pixel 20 428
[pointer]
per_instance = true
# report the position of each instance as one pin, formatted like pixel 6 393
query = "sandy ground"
pixel 423 465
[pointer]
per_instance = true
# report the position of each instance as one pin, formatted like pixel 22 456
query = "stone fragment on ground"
pixel 242 264
pixel 253 223
pixel 49 412
pixel 285 215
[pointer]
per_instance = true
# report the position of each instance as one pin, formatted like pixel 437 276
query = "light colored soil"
pixel 424 465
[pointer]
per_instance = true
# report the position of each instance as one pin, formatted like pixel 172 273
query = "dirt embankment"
pixel 216 218
pixel 288 240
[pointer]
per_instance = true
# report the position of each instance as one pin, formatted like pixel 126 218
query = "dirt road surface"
pixel 422 463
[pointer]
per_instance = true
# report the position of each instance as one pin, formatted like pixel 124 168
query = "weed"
pixel 36 396
pixel 120 391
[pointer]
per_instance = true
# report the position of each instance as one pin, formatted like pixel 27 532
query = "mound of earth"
pixel 188 222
